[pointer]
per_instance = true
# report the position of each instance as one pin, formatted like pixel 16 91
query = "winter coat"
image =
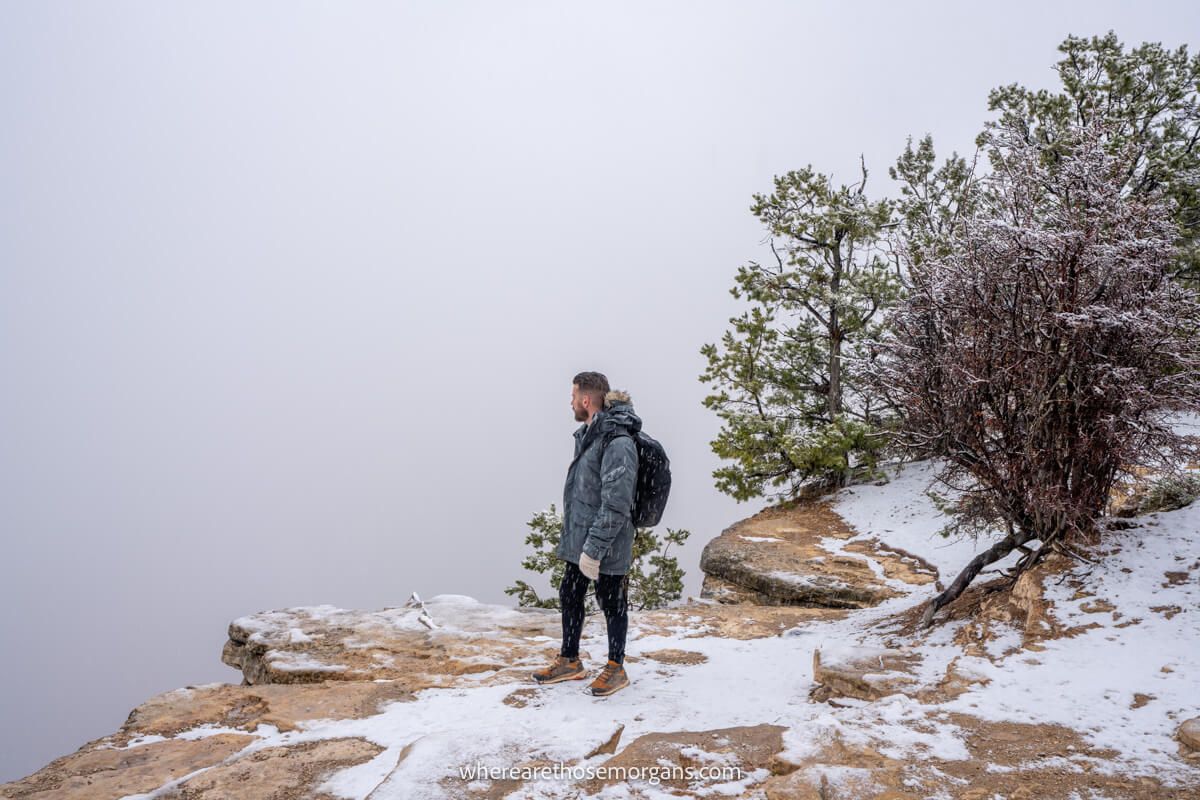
pixel 599 492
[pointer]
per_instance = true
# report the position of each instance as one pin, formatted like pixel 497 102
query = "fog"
pixel 291 294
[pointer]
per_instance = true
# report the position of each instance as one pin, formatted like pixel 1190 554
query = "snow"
pixel 139 741
pixel 1008 641
pixel 297 636
pixel 454 615
pixel 298 662
pixel 807 581
pixel 838 654
pixel 901 515
pixel 1088 681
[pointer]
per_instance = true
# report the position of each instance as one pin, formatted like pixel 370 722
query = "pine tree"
pixel 786 377
pixel 933 202
pixel 1149 98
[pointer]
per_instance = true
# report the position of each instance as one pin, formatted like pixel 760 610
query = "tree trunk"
pixel 993 554
pixel 834 400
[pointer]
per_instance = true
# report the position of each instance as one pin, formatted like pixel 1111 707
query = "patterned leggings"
pixel 612 593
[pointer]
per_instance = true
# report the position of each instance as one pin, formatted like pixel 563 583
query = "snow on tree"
pixel 1040 351
pixel 1151 97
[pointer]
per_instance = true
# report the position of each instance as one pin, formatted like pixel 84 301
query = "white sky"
pixel 291 294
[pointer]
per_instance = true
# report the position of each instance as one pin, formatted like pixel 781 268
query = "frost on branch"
pixel 1041 354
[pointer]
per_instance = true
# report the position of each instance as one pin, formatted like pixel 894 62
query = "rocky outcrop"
pixel 453 640
pixel 244 708
pixel 316 665
pixel 102 771
pixel 149 753
pixel 419 645
pixel 397 702
pixel 803 555
pixel 219 741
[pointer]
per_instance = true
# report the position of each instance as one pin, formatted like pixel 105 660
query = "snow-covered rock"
pixel 1189 735
pixel 867 673
pixel 427 643
pixel 805 555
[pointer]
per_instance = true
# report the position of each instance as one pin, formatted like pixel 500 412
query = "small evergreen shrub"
pixel 655 578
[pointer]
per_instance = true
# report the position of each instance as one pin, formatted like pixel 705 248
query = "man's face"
pixel 580 403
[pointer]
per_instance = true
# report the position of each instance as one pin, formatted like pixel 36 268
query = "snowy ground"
pixel 1086 682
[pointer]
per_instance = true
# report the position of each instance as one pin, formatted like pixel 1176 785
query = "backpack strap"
pixel 608 437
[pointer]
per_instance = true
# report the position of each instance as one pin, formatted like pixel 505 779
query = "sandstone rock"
pixel 675 656
pixel 519 698
pixel 317 643
pixel 275 772
pixel 958 680
pixel 1024 607
pixel 100 771
pixel 473 644
pixel 782 556
pixel 837 771
pixel 739 750
pixel 830 768
pixel 1189 734
pixel 708 617
pixel 609 746
pixel 867 673
pixel 247 707
pixel 137 760
pixel 814 784
pixel 723 591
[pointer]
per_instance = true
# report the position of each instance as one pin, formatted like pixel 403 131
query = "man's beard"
pixel 580 415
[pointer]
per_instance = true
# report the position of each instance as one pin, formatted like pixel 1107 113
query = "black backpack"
pixel 653 479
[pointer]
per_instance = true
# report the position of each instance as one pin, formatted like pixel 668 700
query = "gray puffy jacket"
pixel 598 496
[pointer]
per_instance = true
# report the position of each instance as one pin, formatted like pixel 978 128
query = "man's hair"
pixel 594 384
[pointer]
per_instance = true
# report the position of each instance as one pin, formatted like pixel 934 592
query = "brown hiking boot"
pixel 561 669
pixel 610 679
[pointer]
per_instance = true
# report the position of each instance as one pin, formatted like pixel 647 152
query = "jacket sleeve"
pixel 618 482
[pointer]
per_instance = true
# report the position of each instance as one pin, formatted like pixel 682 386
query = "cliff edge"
pixel 799 673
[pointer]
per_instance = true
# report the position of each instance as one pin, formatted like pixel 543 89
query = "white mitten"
pixel 589 566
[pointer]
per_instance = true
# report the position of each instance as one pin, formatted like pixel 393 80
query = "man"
pixel 597 530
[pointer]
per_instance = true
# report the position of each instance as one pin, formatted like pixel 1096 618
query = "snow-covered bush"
pixel 1042 352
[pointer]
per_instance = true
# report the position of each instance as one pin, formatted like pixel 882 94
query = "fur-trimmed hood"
pixel 616 396
pixel 618 412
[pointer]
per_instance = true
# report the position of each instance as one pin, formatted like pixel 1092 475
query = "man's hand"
pixel 589 566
